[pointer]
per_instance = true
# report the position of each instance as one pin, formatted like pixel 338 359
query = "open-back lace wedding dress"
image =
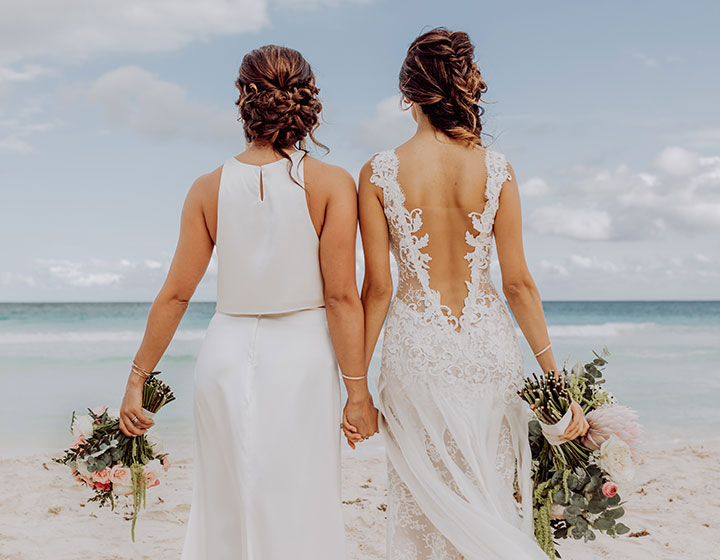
pixel 454 428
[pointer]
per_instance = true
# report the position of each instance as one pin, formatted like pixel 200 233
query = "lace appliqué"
pixel 423 341
pixel 411 535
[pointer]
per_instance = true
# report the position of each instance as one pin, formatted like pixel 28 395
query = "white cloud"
pixel 15 145
pixel 76 274
pixel 585 225
pixel 535 186
pixel 699 257
pixel 647 60
pixel 83 29
pixel 619 204
pixel 14 134
pixel 677 161
pixel 24 73
pixel 313 4
pixel 386 128
pixel 131 97
pixel 12 278
pixel 97 272
pixel 554 268
pixel 593 263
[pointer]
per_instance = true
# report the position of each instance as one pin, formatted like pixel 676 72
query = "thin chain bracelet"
pixel 537 354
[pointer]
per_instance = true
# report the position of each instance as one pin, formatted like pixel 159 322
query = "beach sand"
pixel 673 510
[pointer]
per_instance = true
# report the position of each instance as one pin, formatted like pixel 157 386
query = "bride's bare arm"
pixel 520 290
pixel 517 283
pixel 377 286
pixel 192 255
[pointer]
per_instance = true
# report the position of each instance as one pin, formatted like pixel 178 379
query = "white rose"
pixel 81 467
pixel 83 426
pixel 155 442
pixel 557 511
pixel 122 489
pixel 155 466
pixel 616 460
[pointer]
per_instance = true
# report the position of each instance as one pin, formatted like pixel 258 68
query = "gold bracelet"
pixel 354 378
pixel 145 371
pixel 139 373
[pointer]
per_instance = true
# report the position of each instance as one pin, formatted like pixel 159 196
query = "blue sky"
pixel 608 113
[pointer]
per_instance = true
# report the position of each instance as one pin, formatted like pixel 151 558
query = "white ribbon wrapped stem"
pixel 552 432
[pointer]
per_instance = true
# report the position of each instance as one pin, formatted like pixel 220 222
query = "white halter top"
pixel 267 248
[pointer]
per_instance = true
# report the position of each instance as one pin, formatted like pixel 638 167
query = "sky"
pixel 608 113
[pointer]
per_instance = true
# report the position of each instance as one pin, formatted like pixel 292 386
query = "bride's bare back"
pixel 444 185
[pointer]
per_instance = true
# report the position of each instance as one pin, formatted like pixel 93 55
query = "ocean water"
pixel 60 357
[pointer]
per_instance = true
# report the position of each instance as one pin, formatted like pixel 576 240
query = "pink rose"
pixel 101 486
pixel 99 410
pixel 609 489
pixel 166 463
pixel 103 476
pixel 119 474
pixel 151 479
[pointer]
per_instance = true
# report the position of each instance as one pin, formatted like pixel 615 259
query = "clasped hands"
pixel 360 420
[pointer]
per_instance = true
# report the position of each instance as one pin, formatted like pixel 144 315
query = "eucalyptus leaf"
pixel 559 497
pixel 578 500
pixel 621 529
pixel 582 523
pixel 595 506
pixel 603 524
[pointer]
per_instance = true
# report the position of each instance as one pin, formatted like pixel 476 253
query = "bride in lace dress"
pixel 455 431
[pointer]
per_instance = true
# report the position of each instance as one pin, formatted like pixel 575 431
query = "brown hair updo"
pixel 278 102
pixel 440 75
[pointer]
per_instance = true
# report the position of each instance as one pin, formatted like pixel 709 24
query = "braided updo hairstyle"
pixel 440 75
pixel 278 102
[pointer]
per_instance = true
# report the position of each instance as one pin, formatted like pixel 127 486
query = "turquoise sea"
pixel 59 357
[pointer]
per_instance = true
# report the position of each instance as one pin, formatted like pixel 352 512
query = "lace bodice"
pixel 407 246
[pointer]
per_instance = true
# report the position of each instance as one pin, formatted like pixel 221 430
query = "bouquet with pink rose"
pixel 576 482
pixel 113 464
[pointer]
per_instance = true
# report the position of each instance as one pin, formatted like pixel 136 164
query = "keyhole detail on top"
pixel 262 188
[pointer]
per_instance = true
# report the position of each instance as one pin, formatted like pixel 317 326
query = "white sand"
pixel 43 514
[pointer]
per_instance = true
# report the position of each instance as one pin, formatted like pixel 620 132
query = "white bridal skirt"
pixel 267 441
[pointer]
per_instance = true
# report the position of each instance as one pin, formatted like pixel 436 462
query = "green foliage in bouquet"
pixel 108 446
pixel 568 498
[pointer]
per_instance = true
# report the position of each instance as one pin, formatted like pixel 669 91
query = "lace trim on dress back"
pixel 414 282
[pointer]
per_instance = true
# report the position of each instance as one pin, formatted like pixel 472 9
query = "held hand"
pixel 360 419
pixel 132 408
pixel 351 434
pixel 578 425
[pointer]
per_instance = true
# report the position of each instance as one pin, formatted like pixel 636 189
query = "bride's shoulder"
pixel 381 164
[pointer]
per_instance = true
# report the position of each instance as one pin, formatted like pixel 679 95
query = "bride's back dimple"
pixel 447 185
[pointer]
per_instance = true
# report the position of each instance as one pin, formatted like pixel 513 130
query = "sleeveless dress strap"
pixel 497 174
